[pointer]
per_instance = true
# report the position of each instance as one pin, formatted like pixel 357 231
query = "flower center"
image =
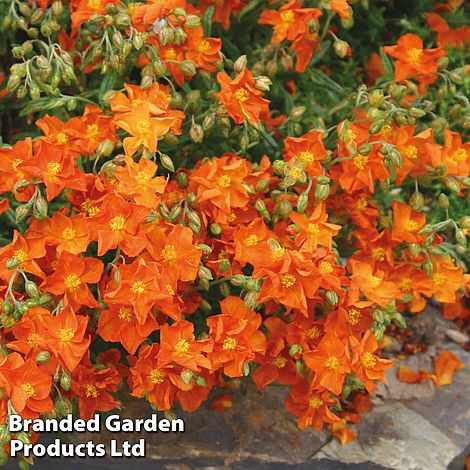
pixel 280 362
pixel 20 255
pixel 368 360
pixel 361 203
pixel 229 344
pixel 138 287
pixel 94 4
pixel 89 208
pixel 306 157
pixel 361 161
pixel 170 289
pixel 315 402
pixel 287 17
pixel 61 138
pixel 438 279
pixel 143 127
pixel 156 377
pixel 90 391
pixel 53 168
pixel 374 282
pixel 169 253
pixel 313 229
pixel 224 181
pixel 117 223
pixel 414 55
pixel 288 280
pixel 143 178
pixel 203 46
pixel 378 253
pixel 92 131
pixel 72 282
pixel 411 152
pixel 405 284
pixel 125 314
pixel 28 389
pixel 68 234
pixel 411 226
pixel 332 363
pixel 32 339
pixel 66 335
pixel 170 54
pixel 459 155
pixel 182 346
pixel 354 316
pixel 242 95
pixel 251 240
pixel 325 267
pixel 312 333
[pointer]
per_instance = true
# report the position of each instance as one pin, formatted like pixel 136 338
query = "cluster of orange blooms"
pixel 224 270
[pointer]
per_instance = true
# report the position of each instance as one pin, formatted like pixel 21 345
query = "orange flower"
pixel 219 186
pixel 24 252
pixel 159 384
pixel 204 52
pixel 174 252
pixel 56 169
pixel 308 150
pixel 236 336
pixel 92 387
pixel 447 279
pixel 373 285
pixel 330 362
pixel 455 154
pixel 367 365
pixel 446 36
pixel 119 323
pixel 312 406
pixel 407 223
pixel 342 8
pixel 26 385
pixel 136 288
pixel 413 60
pixel 145 129
pixel 67 233
pixel 242 100
pixel 66 337
pixel 138 181
pixel 70 279
pixel 315 230
pixel 119 224
pixel 178 345
pixel 445 366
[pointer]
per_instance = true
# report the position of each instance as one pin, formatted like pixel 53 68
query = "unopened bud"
pixel 239 64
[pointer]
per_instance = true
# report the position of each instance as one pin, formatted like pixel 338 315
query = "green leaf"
pixel 207 20
pixel 249 8
pixel 386 63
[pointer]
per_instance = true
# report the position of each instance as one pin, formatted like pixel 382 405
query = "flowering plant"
pixel 194 192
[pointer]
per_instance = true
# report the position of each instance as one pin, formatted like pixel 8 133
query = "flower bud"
pixel 43 356
pixel 188 68
pixel 192 21
pixel 40 207
pixel 62 406
pixel 240 64
pixel 460 237
pixel 322 191
pixel 417 201
pixel 443 201
pixel 302 202
pixel 464 222
pixel 341 48
pixel 208 122
pixel 376 98
pixel 5 435
pixel 416 113
pixel 65 380
pixel 263 83
pixel 182 180
pixel 204 273
pixel 376 126
pixel 284 208
pixel 399 92
pixel 297 112
pixel 452 185
pixel 31 289
pixel 331 298
pixel 22 212
pixel 215 229
pixel 167 162
pixel 196 133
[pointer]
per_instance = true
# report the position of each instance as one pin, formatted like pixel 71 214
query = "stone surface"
pixel 410 427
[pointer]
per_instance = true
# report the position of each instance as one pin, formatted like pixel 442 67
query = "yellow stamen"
pixel 229 344
pixel 72 282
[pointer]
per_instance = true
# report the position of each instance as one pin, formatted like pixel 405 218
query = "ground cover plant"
pixel 195 192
